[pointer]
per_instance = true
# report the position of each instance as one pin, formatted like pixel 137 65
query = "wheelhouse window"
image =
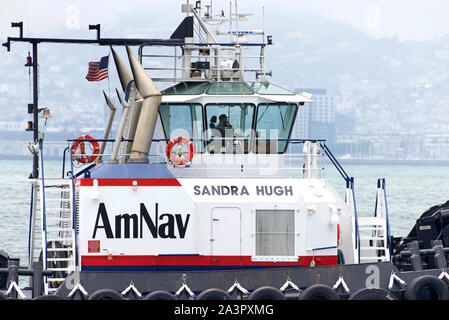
pixel 238 88
pixel 229 127
pixel 268 88
pixel 275 233
pixel 186 87
pixel 183 120
pixel 273 126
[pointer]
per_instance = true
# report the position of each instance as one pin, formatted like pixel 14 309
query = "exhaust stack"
pixel 124 74
pixel 148 113
pixel 107 130
pixel 133 109
pixel 118 138
pixel 133 119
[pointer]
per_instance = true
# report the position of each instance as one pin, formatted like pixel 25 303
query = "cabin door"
pixel 225 239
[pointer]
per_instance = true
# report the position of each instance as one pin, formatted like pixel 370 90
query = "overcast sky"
pixel 409 19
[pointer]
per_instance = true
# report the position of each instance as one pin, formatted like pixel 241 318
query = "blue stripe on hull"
pixel 130 171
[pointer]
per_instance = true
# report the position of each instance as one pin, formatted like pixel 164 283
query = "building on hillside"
pixel 317 119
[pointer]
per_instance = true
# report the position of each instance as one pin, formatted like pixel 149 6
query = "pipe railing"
pixel 206 142
pixel 382 185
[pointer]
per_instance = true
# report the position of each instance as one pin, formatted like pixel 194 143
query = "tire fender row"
pixel 424 287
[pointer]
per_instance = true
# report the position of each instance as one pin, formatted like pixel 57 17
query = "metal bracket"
pixel 444 274
pixel 341 282
pixel 287 284
pixel 237 286
pixel 14 286
pixel 394 278
pixel 133 288
pixel 184 287
pixel 77 287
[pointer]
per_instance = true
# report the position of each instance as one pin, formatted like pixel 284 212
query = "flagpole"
pixel 109 88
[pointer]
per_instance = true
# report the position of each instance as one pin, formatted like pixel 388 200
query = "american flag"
pixel 98 70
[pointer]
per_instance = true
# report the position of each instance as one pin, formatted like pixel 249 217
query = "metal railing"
pixel 211 53
pixel 227 163
pixel 382 186
pixel 43 213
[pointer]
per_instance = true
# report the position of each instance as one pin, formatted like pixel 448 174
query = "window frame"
pixel 253 150
pixel 206 122
pixel 202 124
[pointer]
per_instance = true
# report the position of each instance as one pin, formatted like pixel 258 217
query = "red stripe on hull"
pixel 196 260
pixel 129 182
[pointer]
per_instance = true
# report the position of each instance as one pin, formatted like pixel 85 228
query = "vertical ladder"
pixel 126 129
pixel 373 239
pixel 374 231
pixel 56 201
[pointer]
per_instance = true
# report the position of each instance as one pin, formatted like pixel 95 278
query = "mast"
pixel 35 172
pixel 35 110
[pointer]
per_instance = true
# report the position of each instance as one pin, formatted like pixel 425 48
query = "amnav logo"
pixel 163 226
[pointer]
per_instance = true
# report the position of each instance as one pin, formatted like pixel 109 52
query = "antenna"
pixel 263 24
pixel 230 20
pixel 236 22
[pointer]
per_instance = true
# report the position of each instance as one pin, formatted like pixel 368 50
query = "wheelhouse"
pixel 230 117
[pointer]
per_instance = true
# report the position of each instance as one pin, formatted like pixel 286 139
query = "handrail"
pixel 44 218
pixel 208 140
pixel 74 209
pixel 63 161
pixel 31 227
pixel 336 163
pixel 357 234
pixel 349 184
pixel 386 215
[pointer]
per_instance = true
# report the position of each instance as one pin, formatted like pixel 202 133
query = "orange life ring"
pixel 81 156
pixel 174 157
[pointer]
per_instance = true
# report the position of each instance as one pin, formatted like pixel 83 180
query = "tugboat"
pixel 206 195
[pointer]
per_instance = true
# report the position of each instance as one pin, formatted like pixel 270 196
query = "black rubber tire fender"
pixel 213 294
pixel 4 258
pixel 159 295
pixel 48 297
pixel 318 292
pixel 438 288
pixel 266 293
pixel 106 294
pixel 371 294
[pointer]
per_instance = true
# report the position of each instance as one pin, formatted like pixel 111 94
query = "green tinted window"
pixel 186 88
pixel 229 88
pixel 229 121
pixel 274 122
pixel 268 88
pixel 183 120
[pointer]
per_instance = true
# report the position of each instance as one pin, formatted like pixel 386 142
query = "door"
pixel 225 239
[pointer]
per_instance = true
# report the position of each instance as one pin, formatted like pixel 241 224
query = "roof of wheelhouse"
pixel 228 88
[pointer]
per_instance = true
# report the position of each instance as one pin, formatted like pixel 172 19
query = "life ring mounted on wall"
pixel 79 149
pixel 178 157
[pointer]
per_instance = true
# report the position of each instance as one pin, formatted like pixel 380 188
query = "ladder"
pixel 52 223
pixel 373 239
pixel 121 148
pixel 374 231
